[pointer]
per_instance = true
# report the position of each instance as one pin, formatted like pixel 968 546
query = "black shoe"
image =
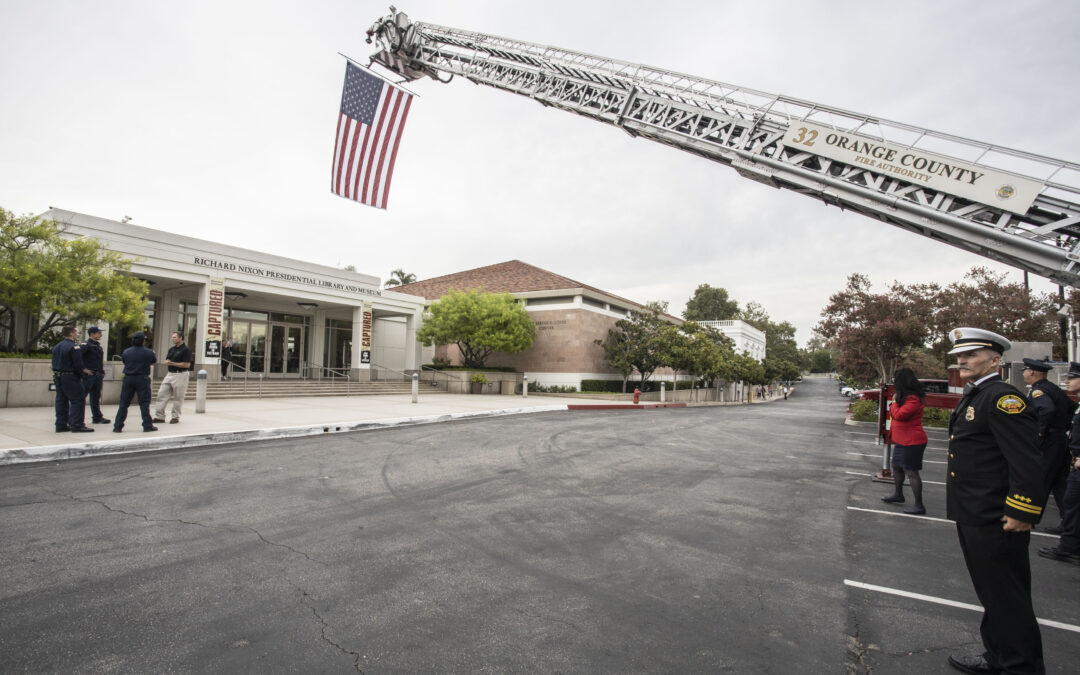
pixel 175 420
pixel 61 430
pixel 149 428
pixel 103 420
pixel 893 499
pixel 116 431
pixel 1052 530
pixel 972 664
pixel 916 510
pixel 81 430
pixel 158 420
pixel 1055 553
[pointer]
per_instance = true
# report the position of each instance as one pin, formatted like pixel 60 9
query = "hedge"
pixel 864 410
pixel 615 386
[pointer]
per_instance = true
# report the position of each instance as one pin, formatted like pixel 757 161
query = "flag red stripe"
pixel 379 129
pixel 341 155
pixel 393 153
pixel 352 154
pixel 378 196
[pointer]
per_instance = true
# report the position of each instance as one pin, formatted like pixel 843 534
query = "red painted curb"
pixel 625 406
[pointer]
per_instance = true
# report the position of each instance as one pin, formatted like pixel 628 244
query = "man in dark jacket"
pixel 1068 548
pixel 68 370
pixel 137 361
pixel 994 493
pixel 1053 409
pixel 93 357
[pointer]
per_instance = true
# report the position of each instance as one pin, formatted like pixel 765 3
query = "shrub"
pixel 864 411
pixel 478 378
pixel 935 417
pixel 553 389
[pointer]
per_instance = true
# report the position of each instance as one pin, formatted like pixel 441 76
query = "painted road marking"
pixel 870 475
pixel 925 461
pixel 949 603
pixel 938 520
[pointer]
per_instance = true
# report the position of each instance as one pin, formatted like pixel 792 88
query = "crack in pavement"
pixel 323 626
pixel 227 528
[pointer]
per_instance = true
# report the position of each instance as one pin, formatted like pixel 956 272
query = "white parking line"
pixel 869 475
pixel 937 520
pixel 950 603
pixel 925 461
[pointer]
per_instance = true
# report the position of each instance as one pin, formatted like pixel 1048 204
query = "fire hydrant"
pixel 637 395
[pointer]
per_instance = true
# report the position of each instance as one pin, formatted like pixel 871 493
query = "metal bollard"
pixel 663 391
pixel 415 387
pixel 200 392
pixel 525 386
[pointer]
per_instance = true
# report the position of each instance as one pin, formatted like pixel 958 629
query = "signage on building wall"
pixel 365 336
pixel 214 317
pixel 267 273
pixel 937 172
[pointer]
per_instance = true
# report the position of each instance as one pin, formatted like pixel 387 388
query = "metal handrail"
pixel 375 367
pixel 336 372
pixel 434 381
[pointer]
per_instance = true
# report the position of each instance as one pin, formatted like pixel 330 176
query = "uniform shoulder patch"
pixel 75 347
pixel 1011 404
pixel 1036 393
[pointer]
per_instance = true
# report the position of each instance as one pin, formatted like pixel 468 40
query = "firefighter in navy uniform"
pixel 137 362
pixel 994 493
pixel 68 369
pixel 93 357
pixel 1054 412
pixel 1068 548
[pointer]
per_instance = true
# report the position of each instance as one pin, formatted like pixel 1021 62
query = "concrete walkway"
pixel 27 434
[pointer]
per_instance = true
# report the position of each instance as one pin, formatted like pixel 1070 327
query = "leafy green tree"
pixel 821 361
pixel 618 352
pixel 479 324
pixel 62 280
pixel 658 306
pixel 399 277
pixel 782 361
pixel 710 304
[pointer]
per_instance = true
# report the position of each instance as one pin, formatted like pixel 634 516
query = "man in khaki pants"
pixel 174 386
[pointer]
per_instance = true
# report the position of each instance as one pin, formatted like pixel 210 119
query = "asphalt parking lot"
pixel 711 539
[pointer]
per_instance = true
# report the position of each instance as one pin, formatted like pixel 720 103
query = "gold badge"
pixel 969 414
pixel 1037 393
pixel 957 334
pixel 1011 404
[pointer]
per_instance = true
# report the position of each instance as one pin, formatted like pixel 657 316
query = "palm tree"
pixel 399 277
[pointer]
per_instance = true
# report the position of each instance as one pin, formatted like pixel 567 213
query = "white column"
pixel 361 343
pixel 412 347
pixel 317 343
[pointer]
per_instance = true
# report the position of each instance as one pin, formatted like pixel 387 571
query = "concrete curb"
pixel 52 453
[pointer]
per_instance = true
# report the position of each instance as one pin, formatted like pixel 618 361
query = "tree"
pixel 873 331
pixel 618 352
pixel 399 277
pixel 783 360
pixel 821 361
pixel 710 304
pixel 479 324
pixel 658 306
pixel 62 281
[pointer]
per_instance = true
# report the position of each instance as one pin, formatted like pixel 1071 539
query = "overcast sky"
pixel 217 119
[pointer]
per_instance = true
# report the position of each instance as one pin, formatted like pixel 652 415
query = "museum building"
pixel 569 316
pixel 286 318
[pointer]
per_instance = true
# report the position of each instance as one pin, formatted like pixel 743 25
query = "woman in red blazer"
pixel 909 438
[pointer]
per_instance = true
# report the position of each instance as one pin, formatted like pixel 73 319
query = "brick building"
pixel 568 314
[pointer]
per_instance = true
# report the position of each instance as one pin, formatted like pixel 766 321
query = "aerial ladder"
pixel 1011 206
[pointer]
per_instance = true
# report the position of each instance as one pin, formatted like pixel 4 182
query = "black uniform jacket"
pixel 1074 435
pixel 1052 410
pixel 995 465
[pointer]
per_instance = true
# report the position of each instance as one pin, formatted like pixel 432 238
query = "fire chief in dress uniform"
pixel 994 492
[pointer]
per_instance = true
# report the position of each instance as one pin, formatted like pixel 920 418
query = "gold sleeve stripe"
pixel 1020 506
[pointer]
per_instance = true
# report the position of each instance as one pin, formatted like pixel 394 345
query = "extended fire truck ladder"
pixel 1011 206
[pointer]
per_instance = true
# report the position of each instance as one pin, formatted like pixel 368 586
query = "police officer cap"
pixel 968 339
pixel 1035 364
pixel 92 329
pixel 138 337
pixel 1074 369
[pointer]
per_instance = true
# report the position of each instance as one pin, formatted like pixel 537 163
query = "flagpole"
pixel 368 69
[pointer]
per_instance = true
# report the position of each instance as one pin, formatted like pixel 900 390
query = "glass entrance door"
pixel 249 345
pixel 286 347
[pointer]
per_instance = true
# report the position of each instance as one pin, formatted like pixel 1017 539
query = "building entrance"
pixel 267 347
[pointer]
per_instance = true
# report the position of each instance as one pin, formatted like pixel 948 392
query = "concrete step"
pixel 298 388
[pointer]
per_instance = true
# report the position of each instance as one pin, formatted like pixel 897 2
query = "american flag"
pixel 372 117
